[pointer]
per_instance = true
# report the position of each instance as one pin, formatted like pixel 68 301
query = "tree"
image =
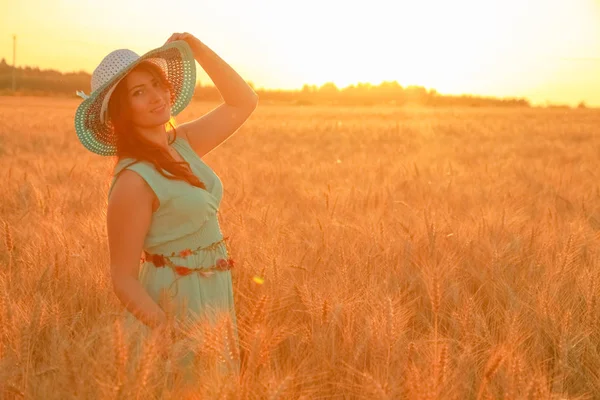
pixel 328 87
pixel 306 88
pixel 4 66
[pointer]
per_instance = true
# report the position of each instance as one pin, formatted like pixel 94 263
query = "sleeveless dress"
pixel 185 254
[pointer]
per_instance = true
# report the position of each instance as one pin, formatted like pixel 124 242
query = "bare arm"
pixel 128 220
pixel 213 128
pixel 234 89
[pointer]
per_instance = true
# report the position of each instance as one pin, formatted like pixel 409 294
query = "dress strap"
pixel 147 171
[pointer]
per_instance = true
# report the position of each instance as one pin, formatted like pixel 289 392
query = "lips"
pixel 158 109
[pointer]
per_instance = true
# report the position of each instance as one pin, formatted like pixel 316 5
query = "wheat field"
pixel 404 253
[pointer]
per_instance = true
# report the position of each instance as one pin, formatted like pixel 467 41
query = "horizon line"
pixel 208 83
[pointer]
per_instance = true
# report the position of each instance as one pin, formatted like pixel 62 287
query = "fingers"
pixel 170 39
pixel 178 36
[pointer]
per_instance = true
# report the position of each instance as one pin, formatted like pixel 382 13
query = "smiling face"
pixel 148 97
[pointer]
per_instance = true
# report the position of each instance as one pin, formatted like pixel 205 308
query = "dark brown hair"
pixel 131 144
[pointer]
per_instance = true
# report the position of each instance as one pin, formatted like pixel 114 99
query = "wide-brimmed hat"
pixel 93 125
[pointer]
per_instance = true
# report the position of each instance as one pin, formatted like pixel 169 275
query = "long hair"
pixel 131 144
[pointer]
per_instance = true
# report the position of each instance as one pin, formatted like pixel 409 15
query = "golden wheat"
pixel 403 253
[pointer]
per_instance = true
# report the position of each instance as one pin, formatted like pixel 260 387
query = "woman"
pixel 163 199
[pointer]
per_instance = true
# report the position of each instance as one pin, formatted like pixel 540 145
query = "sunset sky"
pixel 545 50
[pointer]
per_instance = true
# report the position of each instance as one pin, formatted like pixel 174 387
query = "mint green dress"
pixel 185 229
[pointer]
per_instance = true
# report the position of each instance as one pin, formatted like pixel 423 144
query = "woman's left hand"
pixel 188 37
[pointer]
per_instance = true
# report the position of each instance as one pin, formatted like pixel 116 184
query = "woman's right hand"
pixel 168 332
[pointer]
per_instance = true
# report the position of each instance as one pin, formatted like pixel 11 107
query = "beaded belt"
pixel 161 261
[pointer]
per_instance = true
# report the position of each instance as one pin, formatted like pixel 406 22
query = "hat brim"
pixel 98 136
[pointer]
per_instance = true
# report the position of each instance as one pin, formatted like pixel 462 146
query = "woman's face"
pixel 149 100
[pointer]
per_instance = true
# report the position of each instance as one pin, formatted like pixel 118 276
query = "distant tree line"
pixel 50 82
pixel 34 80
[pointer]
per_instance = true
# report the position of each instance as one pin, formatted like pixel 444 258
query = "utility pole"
pixel 14 72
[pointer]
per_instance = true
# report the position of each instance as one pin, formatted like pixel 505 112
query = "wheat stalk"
pixel 120 351
pixel 146 362
pixel 281 388
pixel 390 321
pixel 591 300
pixel 304 297
pixel 234 351
pixel 10 246
pixel 491 367
pixel 375 386
pixel 14 390
pixel 325 312
pixel 72 375
pixel 8 238
pixel 442 365
pixel 34 324
pixel 515 381
pixel 213 346
pixel 253 361
pixel 259 310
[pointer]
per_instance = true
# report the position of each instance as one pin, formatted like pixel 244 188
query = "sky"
pixel 543 50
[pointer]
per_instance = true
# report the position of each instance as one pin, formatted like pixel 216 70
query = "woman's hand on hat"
pixel 188 37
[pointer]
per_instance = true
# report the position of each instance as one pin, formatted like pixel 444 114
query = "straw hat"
pixel 92 124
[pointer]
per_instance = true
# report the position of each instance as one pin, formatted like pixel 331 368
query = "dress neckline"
pixel 178 153
pixel 180 146
pixel 177 145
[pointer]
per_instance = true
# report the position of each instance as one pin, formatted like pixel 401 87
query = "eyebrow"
pixel 143 84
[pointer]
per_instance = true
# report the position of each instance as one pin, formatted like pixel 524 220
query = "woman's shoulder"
pixel 138 172
pixel 126 162
pixel 144 169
